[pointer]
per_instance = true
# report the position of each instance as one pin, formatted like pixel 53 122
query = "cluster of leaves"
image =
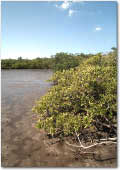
pixel 64 61
pixel 81 97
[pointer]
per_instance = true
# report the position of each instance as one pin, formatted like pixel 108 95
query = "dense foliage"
pixel 57 62
pixel 64 61
pixel 38 63
pixel 82 97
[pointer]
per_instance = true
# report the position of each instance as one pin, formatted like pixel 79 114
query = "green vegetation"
pixel 64 61
pixel 84 97
pixel 58 62
pixel 38 63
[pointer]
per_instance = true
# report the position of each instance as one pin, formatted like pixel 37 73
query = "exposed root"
pixel 109 139
pixel 87 147
pixel 79 139
pixel 82 150
pixel 105 141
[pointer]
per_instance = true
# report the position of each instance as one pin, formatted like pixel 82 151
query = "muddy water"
pixel 19 91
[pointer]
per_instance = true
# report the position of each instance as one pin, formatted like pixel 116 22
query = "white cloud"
pixel 70 12
pixel 56 6
pixel 98 28
pixel 65 5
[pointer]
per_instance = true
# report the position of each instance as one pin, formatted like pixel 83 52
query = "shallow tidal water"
pixel 19 91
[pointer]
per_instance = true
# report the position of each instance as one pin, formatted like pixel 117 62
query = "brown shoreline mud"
pixel 25 146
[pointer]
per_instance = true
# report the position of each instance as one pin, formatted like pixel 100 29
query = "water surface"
pixel 19 91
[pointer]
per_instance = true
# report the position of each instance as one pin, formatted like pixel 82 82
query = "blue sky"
pixel 41 29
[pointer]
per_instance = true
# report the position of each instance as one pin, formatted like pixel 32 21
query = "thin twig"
pixel 109 139
pixel 79 139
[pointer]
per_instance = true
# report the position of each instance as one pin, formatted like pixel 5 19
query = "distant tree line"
pixel 60 61
pixel 20 63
